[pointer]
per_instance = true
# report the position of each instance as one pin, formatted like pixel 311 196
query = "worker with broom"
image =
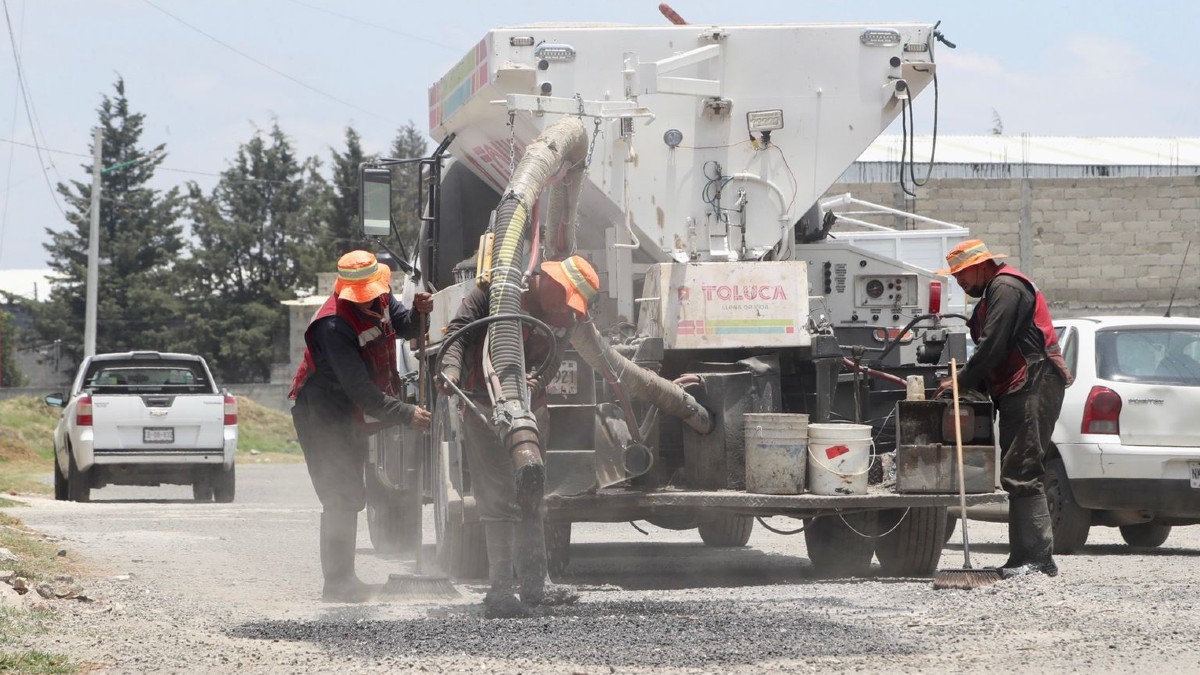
pixel 1017 360
pixel 346 388
pixel 558 296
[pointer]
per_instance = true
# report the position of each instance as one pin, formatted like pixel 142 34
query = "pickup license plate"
pixel 1194 468
pixel 566 383
pixel 158 435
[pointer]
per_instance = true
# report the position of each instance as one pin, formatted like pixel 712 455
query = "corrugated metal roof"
pixel 1049 150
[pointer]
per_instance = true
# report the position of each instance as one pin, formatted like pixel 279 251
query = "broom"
pixel 968 577
pixel 418 585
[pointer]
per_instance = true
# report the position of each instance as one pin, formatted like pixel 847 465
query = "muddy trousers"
pixel 1026 421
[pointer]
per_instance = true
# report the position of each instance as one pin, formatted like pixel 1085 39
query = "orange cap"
pixel 968 253
pixel 361 278
pixel 577 277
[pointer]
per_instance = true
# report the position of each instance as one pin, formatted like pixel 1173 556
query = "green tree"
pixel 10 374
pixel 406 190
pixel 140 243
pixel 343 218
pixel 260 236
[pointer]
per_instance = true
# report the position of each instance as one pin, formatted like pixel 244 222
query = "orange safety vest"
pixel 376 345
pixel 1010 375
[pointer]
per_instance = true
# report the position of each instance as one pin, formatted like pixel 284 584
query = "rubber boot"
pixel 501 602
pixel 1031 537
pixel 339 535
pixel 536 588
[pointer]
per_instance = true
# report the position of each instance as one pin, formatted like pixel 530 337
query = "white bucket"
pixel 776 453
pixel 839 456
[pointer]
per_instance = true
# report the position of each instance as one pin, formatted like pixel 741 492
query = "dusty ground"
pixel 224 588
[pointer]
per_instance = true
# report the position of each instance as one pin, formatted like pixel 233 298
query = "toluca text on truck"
pixel 145 418
pixel 689 165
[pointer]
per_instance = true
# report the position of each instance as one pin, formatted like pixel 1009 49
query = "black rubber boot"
pixel 1030 537
pixel 501 602
pixel 536 588
pixel 339 535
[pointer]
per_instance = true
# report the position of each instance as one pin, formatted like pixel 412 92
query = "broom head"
pixel 965 579
pixel 418 587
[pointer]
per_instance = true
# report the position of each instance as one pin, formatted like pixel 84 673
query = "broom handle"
pixel 418 567
pixel 962 487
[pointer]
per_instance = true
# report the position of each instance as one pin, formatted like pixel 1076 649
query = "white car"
pixel 1126 448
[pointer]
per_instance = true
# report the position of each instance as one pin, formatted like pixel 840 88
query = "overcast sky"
pixel 206 73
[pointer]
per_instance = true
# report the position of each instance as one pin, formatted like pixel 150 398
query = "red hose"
pixel 877 374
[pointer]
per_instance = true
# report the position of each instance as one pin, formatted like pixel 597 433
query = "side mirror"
pixel 55 401
pixel 375 201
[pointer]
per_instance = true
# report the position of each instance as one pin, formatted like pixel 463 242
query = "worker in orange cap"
pixel 346 388
pixel 559 296
pixel 1018 360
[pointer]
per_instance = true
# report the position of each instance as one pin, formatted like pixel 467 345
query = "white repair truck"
pixel 145 418
pixel 688 164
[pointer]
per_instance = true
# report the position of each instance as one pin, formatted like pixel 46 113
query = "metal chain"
pixel 587 161
pixel 512 143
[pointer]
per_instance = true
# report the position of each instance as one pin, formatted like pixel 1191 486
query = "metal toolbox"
pixel 925 456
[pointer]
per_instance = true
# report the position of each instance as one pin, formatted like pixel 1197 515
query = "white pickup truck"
pixel 145 418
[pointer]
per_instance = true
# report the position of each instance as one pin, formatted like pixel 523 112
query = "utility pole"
pixel 89 314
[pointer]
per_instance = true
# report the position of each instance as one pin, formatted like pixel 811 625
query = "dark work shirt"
pixel 1008 326
pixel 341 380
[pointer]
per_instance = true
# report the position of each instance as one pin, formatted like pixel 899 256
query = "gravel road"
pixel 235 587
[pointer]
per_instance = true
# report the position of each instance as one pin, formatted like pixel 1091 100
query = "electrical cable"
pixel 377 26
pixel 269 67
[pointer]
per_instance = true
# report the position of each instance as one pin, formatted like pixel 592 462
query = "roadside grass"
pixel 27 441
pixel 38 561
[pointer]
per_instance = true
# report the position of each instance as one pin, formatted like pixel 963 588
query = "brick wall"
pixel 1092 244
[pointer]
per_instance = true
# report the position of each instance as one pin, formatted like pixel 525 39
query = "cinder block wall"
pixel 1092 244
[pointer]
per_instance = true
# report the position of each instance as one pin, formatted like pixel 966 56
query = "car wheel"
pixel 841 545
pixel 224 484
pixel 726 531
pixel 1145 535
pixel 1071 521
pixel 60 482
pixel 79 483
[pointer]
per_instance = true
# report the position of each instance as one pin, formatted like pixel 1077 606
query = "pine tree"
pixel 343 218
pixel 406 192
pixel 259 237
pixel 139 246
pixel 10 374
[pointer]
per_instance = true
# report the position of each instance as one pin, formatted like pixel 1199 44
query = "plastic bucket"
pixel 838 458
pixel 776 453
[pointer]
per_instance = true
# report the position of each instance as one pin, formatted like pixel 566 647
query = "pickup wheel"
pixel 913 546
pixel 202 485
pixel 224 484
pixel 60 482
pixel 841 545
pixel 79 483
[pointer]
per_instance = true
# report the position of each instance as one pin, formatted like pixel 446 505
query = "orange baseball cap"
pixel 577 277
pixel 968 253
pixel 361 278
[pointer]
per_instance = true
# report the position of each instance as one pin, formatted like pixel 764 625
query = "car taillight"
pixel 935 297
pixel 230 410
pixel 1102 412
pixel 83 412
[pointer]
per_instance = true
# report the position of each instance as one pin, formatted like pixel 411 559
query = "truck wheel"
pixel 836 550
pixel 60 482
pixel 1145 535
pixel 558 547
pixel 951 525
pixel 394 522
pixel 914 547
pixel 202 484
pixel 1071 521
pixel 461 549
pixel 224 484
pixel 727 531
pixel 79 483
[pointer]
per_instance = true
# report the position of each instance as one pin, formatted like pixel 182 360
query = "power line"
pixel 377 26
pixel 269 67
pixel 25 97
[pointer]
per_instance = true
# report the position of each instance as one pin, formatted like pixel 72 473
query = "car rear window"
pixel 142 377
pixel 1150 355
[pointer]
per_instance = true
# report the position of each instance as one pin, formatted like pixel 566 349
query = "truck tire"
pixel 224 485
pixel 461 548
pixel 914 547
pixel 558 547
pixel 838 551
pixel 1145 535
pixel 60 482
pixel 1071 521
pixel 79 483
pixel 202 484
pixel 727 531
pixel 394 523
